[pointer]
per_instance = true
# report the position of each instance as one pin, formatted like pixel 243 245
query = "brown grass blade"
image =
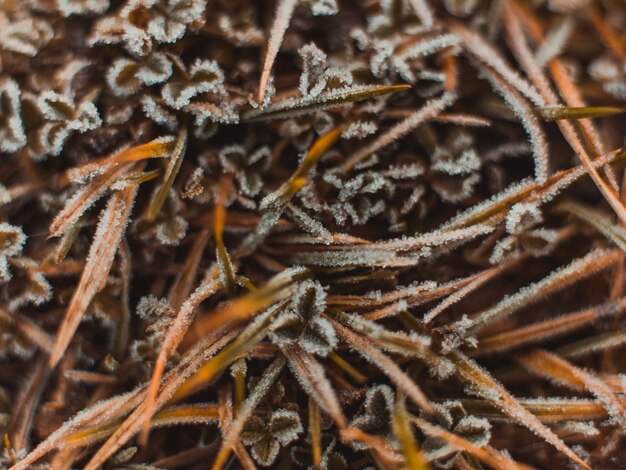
pixel 313 380
pixel 414 458
pixel 284 11
pixel 386 365
pixel 548 329
pixel 562 372
pixel 109 232
pixel 486 387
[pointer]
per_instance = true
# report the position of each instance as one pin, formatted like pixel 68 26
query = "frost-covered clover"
pixel 611 74
pixel 524 236
pixel 247 166
pixel 376 416
pixel 126 77
pixel 158 313
pixel 140 23
pixel 197 91
pixel 63 117
pixel 452 416
pixel 12 135
pixel 82 7
pixel 266 437
pixel 331 459
pixel 302 322
pixel 455 167
pixel 21 282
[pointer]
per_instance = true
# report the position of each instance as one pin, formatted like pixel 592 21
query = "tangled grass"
pixel 327 234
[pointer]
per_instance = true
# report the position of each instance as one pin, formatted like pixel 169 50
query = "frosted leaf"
pixel 317 74
pixel 322 7
pixel 65 117
pixel 454 168
pixel 301 322
pixel 194 187
pixel 246 166
pixel 152 309
pixel 241 30
pixel 375 418
pixel 125 77
pixel 12 240
pixel 170 18
pixel 359 130
pixel 160 114
pixel 611 74
pixel 82 7
pixel 522 217
pixel 577 427
pixel 26 36
pixel 203 76
pixel 461 8
pixel 118 30
pixel 171 231
pixel 265 438
pixel 12 134
pixel 285 426
pixel 27 285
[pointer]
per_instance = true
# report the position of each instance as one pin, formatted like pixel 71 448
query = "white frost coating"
pixel 529 121
pixel 578 427
pixel 323 7
pixel 285 425
pixel 555 41
pixel 424 12
pixel 159 114
pixel 12 134
pixel 12 240
pixel 532 292
pixel 483 51
pixel 82 7
pixel 430 109
pixel 203 76
pixel 522 217
pixel 26 36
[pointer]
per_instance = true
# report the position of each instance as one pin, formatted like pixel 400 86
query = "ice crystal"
pixel 12 134
pixel 377 410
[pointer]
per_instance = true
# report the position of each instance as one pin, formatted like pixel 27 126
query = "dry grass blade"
pixel 486 454
pixel 550 410
pixel 244 411
pixel 402 429
pixel 385 364
pixel 593 344
pixel 556 113
pixel 173 337
pixel 284 10
pixel 578 269
pixel 613 232
pixel 547 329
pixel 486 387
pixel 311 376
pixel 499 204
pixel 108 234
pixel 429 110
pixel 294 107
pixel 315 433
pixel 176 160
pixel 562 372
pixel 131 425
pixel 250 304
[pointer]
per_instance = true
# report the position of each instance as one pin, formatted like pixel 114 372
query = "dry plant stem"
pixel 106 240
pixel 487 388
pixel 284 10
pixel 521 49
